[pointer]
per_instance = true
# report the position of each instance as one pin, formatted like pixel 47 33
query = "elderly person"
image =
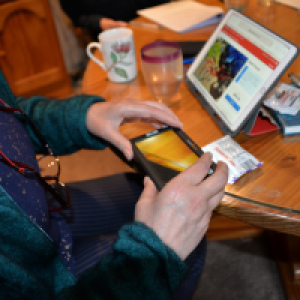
pixel 109 238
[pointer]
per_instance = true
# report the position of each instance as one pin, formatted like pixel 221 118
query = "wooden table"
pixel 268 197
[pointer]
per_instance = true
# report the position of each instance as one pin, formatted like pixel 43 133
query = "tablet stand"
pixel 251 122
pixel 260 122
pixel 255 125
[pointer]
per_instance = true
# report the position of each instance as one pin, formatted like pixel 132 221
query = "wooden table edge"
pixel 251 212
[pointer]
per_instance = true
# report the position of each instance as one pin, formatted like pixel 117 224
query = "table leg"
pixel 287 254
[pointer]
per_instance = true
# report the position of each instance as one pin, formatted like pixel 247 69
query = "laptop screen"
pixel 237 66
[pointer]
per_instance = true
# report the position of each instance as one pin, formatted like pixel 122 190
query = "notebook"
pixel 183 16
pixel 238 66
pixel 289 124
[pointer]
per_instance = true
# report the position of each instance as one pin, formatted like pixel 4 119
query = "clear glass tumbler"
pixel 162 68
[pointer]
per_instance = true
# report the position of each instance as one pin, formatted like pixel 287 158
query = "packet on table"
pixel 285 99
pixel 239 161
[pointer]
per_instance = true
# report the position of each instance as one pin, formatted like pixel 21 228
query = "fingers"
pixel 116 138
pixel 121 24
pixel 144 207
pixel 149 191
pixel 107 23
pixel 211 189
pixel 215 200
pixel 150 110
pixel 197 172
pixel 216 182
pixel 161 106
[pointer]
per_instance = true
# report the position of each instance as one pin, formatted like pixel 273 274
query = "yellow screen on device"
pixel 167 149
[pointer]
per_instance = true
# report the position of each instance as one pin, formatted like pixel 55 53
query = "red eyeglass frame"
pixel 29 171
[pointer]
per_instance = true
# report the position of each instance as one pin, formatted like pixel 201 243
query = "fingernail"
pixel 128 155
pixel 146 179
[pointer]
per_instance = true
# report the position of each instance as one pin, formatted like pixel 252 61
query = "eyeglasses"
pixel 49 164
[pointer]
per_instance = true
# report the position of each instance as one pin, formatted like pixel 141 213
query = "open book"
pixel 182 16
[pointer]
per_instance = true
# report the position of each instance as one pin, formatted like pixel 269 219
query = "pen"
pixel 145 25
pixel 188 60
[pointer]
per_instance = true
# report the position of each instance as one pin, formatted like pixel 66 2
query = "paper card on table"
pixel 182 16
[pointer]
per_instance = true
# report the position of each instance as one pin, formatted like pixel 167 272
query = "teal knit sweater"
pixel 141 266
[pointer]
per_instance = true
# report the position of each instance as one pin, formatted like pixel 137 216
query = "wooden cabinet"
pixel 30 55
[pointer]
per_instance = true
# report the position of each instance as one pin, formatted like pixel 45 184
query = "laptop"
pixel 238 66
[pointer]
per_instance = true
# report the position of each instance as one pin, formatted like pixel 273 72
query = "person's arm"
pixel 140 263
pixel 141 267
pixel 61 122
pixel 93 22
pixel 90 23
pixel 88 122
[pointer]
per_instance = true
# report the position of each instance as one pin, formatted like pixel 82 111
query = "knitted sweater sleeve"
pixel 141 267
pixel 61 122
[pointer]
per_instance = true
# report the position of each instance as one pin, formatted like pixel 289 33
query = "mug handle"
pixel 91 56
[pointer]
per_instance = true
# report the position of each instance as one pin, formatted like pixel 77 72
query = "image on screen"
pixel 219 67
pixel 168 150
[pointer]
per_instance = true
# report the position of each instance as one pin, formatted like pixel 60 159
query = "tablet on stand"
pixel 238 66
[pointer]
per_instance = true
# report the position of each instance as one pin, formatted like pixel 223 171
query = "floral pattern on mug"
pixel 119 53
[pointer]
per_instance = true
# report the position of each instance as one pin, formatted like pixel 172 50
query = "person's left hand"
pixel 104 119
pixel 107 23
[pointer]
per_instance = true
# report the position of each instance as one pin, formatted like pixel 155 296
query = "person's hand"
pixel 104 119
pixel 181 212
pixel 106 23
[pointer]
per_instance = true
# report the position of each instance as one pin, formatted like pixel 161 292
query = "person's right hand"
pixel 181 212
pixel 104 119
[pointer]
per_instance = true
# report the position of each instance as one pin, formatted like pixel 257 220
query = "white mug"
pixel 118 52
